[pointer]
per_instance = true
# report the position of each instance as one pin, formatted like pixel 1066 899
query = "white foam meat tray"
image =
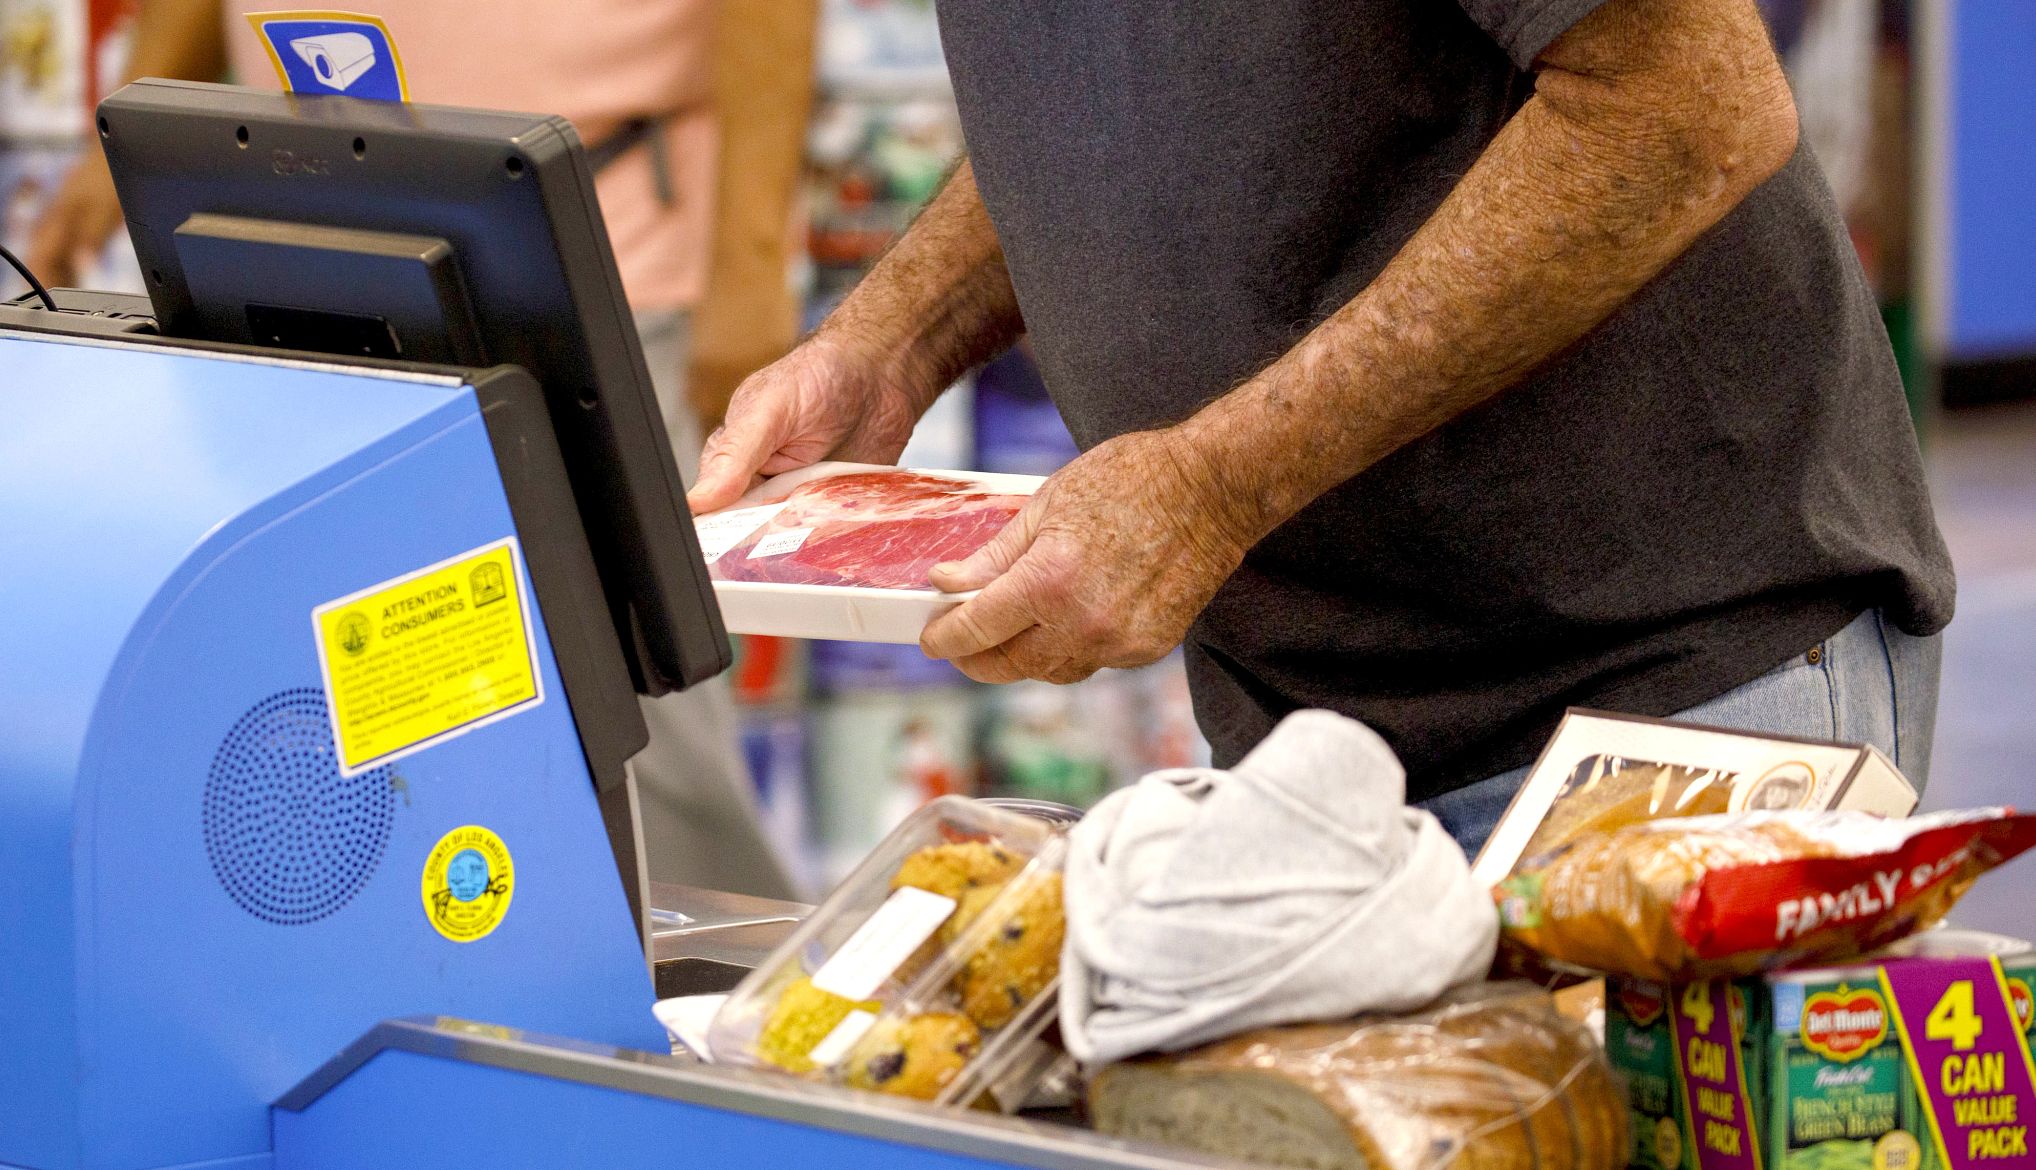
pixel 839 612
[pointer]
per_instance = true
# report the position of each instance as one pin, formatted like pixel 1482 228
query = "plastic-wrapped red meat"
pixel 880 529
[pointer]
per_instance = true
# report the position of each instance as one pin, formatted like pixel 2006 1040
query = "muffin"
pixel 953 870
pixel 1020 956
pixel 803 1016
pixel 914 1057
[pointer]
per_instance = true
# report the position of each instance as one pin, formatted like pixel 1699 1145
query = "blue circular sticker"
pixel 466 875
pixel 467 883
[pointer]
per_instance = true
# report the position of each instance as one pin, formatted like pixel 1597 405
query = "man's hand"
pixel 79 219
pixel 937 303
pixel 1106 566
pixel 821 401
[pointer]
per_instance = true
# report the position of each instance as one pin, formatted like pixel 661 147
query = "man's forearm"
pixel 939 301
pixel 1602 179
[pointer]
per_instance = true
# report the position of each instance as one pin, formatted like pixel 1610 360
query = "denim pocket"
pixel 1795 698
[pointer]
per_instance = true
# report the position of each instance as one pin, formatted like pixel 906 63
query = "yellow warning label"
pixel 427 656
pixel 468 882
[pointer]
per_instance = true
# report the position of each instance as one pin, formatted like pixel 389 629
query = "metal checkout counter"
pixel 329 574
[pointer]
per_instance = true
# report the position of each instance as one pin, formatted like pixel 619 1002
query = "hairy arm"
pixel 1651 119
pixel 938 302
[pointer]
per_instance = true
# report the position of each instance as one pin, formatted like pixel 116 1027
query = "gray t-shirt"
pixel 1711 482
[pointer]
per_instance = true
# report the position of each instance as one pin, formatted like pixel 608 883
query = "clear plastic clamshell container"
pixel 930 973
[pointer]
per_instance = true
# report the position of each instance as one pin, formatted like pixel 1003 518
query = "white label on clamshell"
pixel 721 531
pixel 882 943
pixel 780 543
pixel 829 1052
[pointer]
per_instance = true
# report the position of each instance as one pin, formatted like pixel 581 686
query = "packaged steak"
pixel 1490 1078
pixel 845 550
pixel 932 972
pixel 1726 896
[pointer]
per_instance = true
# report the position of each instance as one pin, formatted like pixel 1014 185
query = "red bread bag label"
pixel 1873 898
pixel 1719 897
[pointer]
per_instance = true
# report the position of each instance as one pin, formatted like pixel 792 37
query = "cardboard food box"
pixel 1602 769
pixel 1916 1060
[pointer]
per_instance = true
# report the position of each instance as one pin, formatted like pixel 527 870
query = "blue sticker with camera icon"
pixel 347 53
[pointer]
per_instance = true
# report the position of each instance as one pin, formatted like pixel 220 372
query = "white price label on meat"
pixel 777 544
pixel 724 530
pixel 882 943
pixel 829 1051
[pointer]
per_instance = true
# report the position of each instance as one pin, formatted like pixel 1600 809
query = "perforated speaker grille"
pixel 290 839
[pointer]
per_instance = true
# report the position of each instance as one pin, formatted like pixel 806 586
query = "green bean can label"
pixel 1841 1100
pixel 1638 1039
pixel 1969 1054
pixel 1708 1059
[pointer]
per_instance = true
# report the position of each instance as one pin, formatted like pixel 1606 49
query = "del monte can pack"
pixel 1838 1088
pixel 1917 1059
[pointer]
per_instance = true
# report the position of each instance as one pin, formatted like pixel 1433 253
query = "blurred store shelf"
pixel 1983 472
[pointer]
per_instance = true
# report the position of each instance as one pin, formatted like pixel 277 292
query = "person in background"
pixel 694 112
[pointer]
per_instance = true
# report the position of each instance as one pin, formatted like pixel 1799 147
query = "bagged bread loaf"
pixel 1727 896
pixel 1490 1078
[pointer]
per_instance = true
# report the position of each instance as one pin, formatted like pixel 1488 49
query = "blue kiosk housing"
pixel 215 949
pixel 171 967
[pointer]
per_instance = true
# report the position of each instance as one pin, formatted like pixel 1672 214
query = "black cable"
pixel 48 302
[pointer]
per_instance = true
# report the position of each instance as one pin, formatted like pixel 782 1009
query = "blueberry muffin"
pixel 953 870
pixel 1019 957
pixel 914 1057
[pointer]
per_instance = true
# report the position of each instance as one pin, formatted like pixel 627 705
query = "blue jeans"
pixel 1868 683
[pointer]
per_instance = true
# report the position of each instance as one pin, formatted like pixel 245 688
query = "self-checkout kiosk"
pixel 330 574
